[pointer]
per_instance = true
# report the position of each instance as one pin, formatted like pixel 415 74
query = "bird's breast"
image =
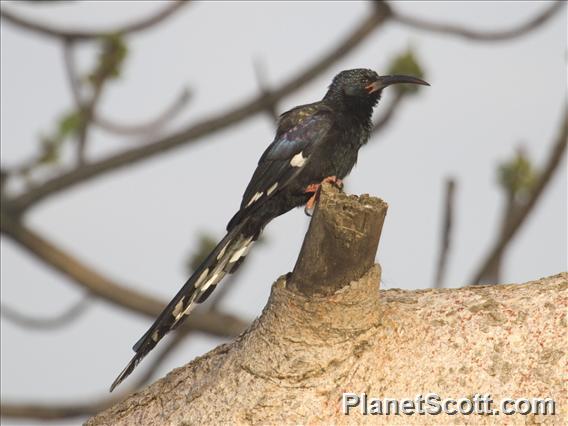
pixel 338 154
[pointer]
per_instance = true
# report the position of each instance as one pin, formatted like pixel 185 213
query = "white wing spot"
pixel 188 309
pixel 242 251
pixel 298 160
pixel 222 252
pixel 254 198
pixel 212 280
pixel 155 336
pixel 201 278
pixel 272 189
pixel 247 250
pixel 178 308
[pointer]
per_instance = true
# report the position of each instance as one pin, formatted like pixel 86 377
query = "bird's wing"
pixel 298 134
pixel 277 166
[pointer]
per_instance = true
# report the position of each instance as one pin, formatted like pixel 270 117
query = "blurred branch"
pixel 4 176
pixel 209 322
pixel 479 35
pixel 50 148
pixel 54 411
pixel 221 293
pixel 89 35
pixel 21 170
pixel 372 21
pixel 70 70
pixel 446 233
pixel 515 222
pixel 87 112
pixel 517 179
pixel 260 73
pixel 81 105
pixel 113 51
pixel 152 126
pixel 67 317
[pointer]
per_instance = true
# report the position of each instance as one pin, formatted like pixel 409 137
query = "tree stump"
pixel 327 330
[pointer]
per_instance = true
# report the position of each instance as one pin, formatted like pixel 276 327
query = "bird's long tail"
pixel 225 258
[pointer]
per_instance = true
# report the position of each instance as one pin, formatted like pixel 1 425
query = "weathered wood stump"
pixel 327 329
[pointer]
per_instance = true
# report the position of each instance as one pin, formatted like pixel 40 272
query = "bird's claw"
pixel 309 207
pixel 315 189
pixel 334 180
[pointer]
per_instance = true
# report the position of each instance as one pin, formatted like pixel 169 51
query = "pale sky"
pixel 138 225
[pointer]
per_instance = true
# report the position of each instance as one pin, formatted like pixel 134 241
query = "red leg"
pixel 311 202
pixel 334 180
pixel 315 188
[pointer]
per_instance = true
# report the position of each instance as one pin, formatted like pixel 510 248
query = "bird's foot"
pixel 309 207
pixel 315 189
pixel 334 180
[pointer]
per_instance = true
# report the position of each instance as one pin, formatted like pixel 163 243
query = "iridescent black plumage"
pixel 312 142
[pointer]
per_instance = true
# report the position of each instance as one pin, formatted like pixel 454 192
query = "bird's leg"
pixel 315 189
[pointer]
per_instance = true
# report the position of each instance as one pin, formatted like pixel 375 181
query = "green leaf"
pixel 113 52
pixel 406 63
pixel 70 124
pixel 50 145
pixel 50 150
pixel 517 176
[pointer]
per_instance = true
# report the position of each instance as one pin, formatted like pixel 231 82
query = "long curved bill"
pixel 386 80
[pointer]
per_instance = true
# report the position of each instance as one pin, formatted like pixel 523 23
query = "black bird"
pixel 314 143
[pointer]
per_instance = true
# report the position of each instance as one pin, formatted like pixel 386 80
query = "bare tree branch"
pixel 87 113
pixel 4 176
pixel 87 109
pixel 77 34
pixel 221 292
pixel 492 273
pixel 150 127
pixel 446 233
pixel 521 214
pixel 479 35
pixel 209 322
pixel 71 73
pixel 66 317
pixel 260 73
pixel 54 411
pixel 218 122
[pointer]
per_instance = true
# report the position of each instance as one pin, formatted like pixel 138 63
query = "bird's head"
pixel 363 87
